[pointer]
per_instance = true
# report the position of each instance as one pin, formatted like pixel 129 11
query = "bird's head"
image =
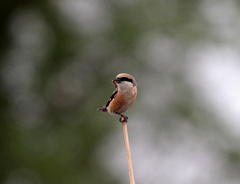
pixel 124 81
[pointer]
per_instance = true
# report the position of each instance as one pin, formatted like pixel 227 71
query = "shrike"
pixel 123 97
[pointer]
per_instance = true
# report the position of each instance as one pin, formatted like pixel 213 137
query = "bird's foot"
pixel 123 119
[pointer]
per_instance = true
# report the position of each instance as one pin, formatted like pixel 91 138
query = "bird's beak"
pixel 115 81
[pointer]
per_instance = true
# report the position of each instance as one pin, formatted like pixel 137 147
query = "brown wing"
pixel 118 104
pixel 121 102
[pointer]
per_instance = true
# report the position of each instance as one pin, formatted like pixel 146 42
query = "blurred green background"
pixel 58 58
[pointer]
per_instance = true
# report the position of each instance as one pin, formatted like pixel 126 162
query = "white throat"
pixel 125 86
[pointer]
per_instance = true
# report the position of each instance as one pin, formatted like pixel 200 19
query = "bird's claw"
pixel 123 119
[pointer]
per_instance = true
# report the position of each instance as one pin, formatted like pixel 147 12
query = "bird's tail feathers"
pixel 102 108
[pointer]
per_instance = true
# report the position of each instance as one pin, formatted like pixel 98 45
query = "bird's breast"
pixel 122 101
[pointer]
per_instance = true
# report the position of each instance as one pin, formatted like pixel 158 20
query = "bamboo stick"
pixel 128 151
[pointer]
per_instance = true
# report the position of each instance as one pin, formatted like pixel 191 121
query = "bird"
pixel 123 97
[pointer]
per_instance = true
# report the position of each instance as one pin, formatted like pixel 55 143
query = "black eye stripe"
pixel 125 79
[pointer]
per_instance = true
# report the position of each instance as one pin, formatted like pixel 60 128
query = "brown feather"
pixel 121 102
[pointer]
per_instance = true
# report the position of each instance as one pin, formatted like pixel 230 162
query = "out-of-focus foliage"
pixel 57 62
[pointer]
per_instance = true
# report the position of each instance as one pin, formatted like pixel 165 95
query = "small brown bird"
pixel 123 97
